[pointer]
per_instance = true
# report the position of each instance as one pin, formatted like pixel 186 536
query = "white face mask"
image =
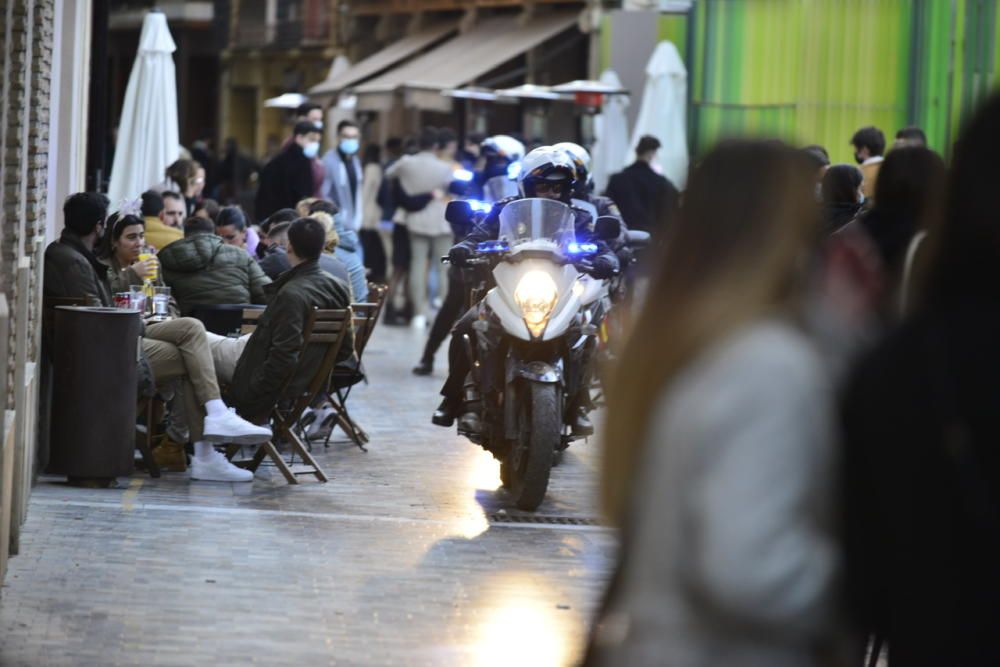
pixel 311 149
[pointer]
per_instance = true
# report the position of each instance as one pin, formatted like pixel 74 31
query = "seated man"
pixel 347 247
pixel 272 352
pixel 164 216
pixel 175 349
pixel 275 262
pixel 202 270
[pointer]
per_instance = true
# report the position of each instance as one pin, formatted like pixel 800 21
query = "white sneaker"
pixel 217 468
pixel 230 427
pixel 419 322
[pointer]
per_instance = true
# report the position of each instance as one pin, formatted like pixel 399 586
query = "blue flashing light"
pixel 513 170
pixel 463 175
pixel 487 247
pixel 480 206
pixel 581 248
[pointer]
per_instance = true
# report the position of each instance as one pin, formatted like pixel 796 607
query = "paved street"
pixel 410 555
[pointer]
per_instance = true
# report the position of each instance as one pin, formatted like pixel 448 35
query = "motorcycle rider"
pixel 501 155
pixel 583 195
pixel 547 173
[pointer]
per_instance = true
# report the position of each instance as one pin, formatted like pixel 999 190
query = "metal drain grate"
pixel 541 519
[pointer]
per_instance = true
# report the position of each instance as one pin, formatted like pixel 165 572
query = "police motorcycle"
pixel 530 347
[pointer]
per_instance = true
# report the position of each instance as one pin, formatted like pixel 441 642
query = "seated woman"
pixel 179 349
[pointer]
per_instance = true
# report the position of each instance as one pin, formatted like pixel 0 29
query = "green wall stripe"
pixel 813 71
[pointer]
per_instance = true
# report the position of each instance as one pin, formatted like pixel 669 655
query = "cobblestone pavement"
pixel 406 557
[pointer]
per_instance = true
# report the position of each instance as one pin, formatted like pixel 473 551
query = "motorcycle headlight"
pixel 536 295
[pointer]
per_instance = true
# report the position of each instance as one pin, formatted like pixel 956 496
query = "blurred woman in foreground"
pixel 922 422
pixel 719 451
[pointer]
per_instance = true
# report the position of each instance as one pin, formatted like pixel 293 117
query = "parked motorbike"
pixel 531 344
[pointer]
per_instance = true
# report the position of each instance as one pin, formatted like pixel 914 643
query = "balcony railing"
pixel 286 24
pixel 369 7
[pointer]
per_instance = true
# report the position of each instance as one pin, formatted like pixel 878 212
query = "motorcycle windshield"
pixel 499 187
pixel 537 219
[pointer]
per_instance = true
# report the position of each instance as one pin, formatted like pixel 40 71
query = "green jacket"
pixel 272 353
pixel 202 270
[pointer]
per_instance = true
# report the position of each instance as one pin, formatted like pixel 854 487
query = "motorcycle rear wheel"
pixel 525 471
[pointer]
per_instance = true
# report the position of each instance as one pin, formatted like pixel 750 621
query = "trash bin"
pixel 94 381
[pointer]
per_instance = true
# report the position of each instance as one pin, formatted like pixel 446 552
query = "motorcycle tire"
pixel 527 466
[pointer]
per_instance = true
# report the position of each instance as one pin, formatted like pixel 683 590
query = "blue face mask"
pixel 349 146
pixel 311 149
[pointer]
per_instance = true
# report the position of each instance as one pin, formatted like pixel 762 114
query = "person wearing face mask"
pixel 342 183
pixel 288 178
pixel 869 147
pixel 312 113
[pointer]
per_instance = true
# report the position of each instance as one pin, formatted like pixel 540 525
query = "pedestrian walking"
pixel 430 236
pixel 646 199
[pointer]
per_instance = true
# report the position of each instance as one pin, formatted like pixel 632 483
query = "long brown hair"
pixel 731 256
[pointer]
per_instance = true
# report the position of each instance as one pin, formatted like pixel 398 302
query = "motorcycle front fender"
pixel 519 372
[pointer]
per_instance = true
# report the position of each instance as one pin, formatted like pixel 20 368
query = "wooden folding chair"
pixel 324 327
pixel 366 316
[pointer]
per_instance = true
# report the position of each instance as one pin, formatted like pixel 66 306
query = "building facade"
pixel 44 63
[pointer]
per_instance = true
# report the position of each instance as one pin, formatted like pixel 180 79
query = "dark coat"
pixel 275 263
pixel 272 353
pixel 838 215
pixel 922 487
pixel 202 270
pixel 285 181
pixel 72 270
pixel 647 200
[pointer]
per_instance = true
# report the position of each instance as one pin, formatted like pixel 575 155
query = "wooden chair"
pixel 222 319
pixel 324 327
pixel 342 380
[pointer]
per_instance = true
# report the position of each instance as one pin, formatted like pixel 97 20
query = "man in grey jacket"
pixel 430 235
pixel 342 182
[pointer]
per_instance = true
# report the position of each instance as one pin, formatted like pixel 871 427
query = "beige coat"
pixel 421 174
pixel 371 181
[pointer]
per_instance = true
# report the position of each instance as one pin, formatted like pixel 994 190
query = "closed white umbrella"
pixel 610 134
pixel 663 113
pixel 148 138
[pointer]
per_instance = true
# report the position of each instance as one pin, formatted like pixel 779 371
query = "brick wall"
pixel 26 62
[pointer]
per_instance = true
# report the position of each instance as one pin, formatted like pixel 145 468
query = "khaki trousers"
pixel 226 352
pixel 179 349
pixel 427 251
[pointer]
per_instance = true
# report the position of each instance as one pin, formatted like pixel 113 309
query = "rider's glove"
pixel 458 255
pixel 603 268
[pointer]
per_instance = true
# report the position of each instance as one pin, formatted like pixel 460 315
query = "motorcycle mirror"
pixel 458 212
pixel 607 228
pixel 637 238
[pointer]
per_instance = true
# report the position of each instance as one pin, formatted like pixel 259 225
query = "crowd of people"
pixel 799 448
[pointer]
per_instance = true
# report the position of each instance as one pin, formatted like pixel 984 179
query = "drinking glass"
pixel 161 301
pixel 137 298
pixel 147 253
pixel 123 300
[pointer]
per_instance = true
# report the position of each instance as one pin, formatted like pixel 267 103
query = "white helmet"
pixel 503 146
pixel 548 164
pixel 580 157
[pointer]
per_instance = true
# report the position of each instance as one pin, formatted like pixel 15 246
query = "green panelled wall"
pixel 814 71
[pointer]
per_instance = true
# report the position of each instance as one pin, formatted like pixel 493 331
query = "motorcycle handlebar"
pixel 472 261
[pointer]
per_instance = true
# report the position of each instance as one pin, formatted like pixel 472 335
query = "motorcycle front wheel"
pixel 525 470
